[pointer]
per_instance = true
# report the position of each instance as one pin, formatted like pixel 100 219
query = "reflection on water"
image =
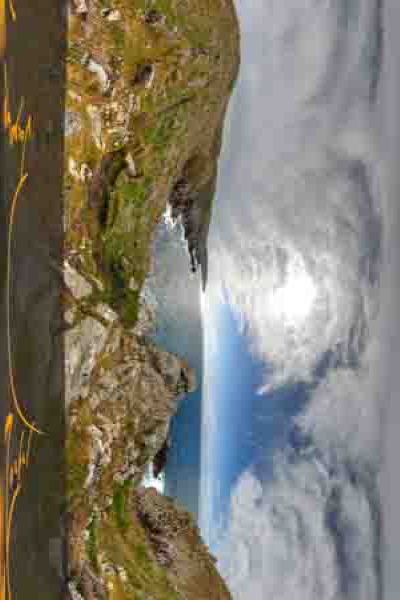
pixel 299 248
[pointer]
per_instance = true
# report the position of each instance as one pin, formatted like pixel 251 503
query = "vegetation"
pixel 169 72
pixel 148 85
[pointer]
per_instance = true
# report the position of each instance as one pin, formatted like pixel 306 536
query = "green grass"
pixel 91 542
pixel 119 505
pixel 134 192
pixel 161 127
pixel 145 578
pixel 77 458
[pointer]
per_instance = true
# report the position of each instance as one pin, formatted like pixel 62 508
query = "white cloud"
pixel 280 545
pixel 302 203
pixel 296 196
pixel 343 418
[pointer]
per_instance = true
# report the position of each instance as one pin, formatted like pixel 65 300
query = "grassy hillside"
pixel 148 86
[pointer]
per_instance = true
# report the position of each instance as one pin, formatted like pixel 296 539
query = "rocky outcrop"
pixel 123 538
pixel 119 419
pixel 126 382
pixel 146 107
pixel 192 208
pixel 160 459
pixel 178 547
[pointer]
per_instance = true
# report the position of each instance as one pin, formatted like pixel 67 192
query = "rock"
pixel 85 173
pixel 97 69
pixel 114 15
pixel 73 168
pixel 76 283
pixel 127 383
pixel 160 459
pixel 176 373
pixel 80 7
pixel 83 345
pixel 96 124
pixel 131 165
pixel 151 17
pixel 73 123
pixel 123 391
pixel 74 594
pixel 144 75
pixel 192 207
pixel 178 547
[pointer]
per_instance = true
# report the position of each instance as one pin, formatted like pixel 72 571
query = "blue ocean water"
pixel 175 295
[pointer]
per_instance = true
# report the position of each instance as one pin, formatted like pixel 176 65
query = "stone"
pixel 80 7
pixel 73 123
pixel 113 15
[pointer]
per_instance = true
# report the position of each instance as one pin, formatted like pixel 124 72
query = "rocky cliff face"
pixel 126 541
pixel 125 392
pixel 192 207
pixel 177 545
pixel 148 85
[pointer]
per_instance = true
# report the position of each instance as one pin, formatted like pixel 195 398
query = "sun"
pixel 294 299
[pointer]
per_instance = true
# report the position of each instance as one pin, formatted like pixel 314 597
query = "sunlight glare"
pixel 294 300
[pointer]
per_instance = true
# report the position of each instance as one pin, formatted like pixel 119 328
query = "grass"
pixel 156 148
pixel 91 542
pixel 144 577
pixel 78 456
pixel 119 504
pixel 135 192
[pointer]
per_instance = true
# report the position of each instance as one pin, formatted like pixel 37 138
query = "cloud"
pixel 304 221
pixel 312 530
pixel 297 190
pixel 343 418
pixel 308 536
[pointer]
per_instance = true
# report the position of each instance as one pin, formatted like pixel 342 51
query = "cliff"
pixel 148 86
pixel 192 207
pixel 124 394
pixel 124 541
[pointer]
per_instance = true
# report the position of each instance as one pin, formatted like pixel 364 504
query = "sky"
pixel 288 450
pixel 301 308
